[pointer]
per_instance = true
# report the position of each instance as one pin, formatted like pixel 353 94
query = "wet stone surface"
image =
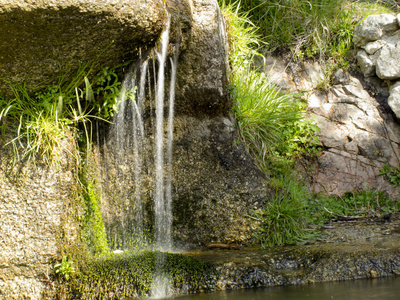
pixel 345 251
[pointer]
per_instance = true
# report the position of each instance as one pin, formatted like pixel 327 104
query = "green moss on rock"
pixel 131 274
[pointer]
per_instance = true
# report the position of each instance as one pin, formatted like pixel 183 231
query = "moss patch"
pixel 131 274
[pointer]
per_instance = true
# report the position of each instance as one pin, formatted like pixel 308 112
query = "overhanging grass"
pixel 38 124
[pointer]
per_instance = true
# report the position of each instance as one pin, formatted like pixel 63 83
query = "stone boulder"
pixel 40 40
pixel 374 27
pixel 394 98
pixel 378 39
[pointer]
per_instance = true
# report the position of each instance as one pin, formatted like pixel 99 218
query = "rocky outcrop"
pixel 216 183
pixel 358 132
pixel 358 138
pixel 41 40
pixel 378 38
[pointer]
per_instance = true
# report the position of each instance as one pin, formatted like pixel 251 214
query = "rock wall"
pixel 359 132
pixel 378 39
pixel 203 65
pixel 34 219
pixel 215 182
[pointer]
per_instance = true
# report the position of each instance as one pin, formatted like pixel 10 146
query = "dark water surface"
pixel 372 289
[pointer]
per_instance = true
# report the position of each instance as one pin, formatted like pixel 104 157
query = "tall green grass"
pixel 271 126
pixel 311 28
pixel 261 112
pixel 285 219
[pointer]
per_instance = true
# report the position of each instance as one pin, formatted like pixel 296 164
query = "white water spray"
pixel 162 224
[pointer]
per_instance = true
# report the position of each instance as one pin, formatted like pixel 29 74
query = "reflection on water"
pixel 382 289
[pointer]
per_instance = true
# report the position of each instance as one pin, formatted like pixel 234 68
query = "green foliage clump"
pixel 65 268
pixel 261 112
pixel 39 124
pixel 310 28
pixel 392 175
pixel 285 219
pixel 132 275
pixel 295 215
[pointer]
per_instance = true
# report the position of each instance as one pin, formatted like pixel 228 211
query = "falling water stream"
pixel 141 142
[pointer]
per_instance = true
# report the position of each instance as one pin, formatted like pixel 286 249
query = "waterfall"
pixel 138 174
pixel 161 223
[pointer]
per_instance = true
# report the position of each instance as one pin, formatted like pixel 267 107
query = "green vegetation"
pixel 392 175
pixel 93 232
pixel 295 215
pixel 65 268
pixel 309 28
pixel 352 205
pixel 272 124
pixel 285 219
pixel 132 274
pixel 42 124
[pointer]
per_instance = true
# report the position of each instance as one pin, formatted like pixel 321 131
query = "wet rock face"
pixel 203 66
pixel 38 38
pixel 216 184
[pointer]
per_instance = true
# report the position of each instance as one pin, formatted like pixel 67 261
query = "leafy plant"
pixel 65 268
pixel 107 89
pixel 392 175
